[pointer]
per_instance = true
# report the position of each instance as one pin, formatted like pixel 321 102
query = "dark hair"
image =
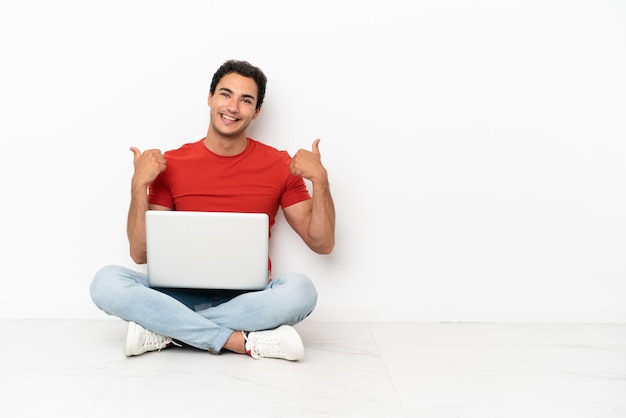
pixel 245 69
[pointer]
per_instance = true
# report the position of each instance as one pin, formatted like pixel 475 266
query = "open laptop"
pixel 207 250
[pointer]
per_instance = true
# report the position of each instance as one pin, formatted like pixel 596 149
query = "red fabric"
pixel 257 180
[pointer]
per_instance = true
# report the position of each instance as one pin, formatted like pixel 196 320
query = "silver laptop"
pixel 207 250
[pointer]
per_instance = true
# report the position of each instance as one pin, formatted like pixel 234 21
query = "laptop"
pixel 207 250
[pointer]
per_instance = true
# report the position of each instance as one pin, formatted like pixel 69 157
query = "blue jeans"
pixel 202 318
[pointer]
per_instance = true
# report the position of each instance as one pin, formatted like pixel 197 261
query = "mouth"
pixel 228 119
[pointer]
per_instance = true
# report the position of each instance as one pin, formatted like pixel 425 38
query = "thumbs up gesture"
pixel 148 165
pixel 308 164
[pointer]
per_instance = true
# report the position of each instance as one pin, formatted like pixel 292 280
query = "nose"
pixel 233 105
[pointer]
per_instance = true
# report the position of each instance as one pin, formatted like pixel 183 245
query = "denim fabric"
pixel 202 318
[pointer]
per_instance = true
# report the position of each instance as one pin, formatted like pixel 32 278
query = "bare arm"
pixel 148 165
pixel 313 220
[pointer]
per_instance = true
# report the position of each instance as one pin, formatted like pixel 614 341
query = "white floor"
pixel 77 369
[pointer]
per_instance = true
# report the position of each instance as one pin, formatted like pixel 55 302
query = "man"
pixel 225 171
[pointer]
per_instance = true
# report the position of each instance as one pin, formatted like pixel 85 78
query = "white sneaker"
pixel 282 342
pixel 139 340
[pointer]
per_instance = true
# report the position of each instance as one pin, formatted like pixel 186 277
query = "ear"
pixel 210 99
pixel 256 113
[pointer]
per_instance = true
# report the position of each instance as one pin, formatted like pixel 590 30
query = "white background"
pixel 475 148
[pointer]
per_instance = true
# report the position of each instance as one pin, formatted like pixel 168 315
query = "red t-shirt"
pixel 257 180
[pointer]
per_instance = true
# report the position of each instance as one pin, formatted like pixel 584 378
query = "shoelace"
pixel 267 347
pixel 157 340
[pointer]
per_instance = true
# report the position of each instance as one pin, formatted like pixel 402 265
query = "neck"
pixel 225 145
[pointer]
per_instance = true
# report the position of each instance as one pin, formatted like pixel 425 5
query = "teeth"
pixel 229 118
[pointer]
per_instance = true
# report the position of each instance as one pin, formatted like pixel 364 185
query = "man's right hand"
pixel 148 165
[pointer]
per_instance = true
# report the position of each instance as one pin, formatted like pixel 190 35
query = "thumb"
pixel 136 153
pixel 316 147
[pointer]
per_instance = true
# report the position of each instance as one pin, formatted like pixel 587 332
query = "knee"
pixel 101 287
pixel 302 292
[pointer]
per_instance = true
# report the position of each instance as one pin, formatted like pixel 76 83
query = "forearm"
pixel 321 231
pixel 136 224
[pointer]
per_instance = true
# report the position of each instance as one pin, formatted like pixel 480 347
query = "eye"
pixel 248 101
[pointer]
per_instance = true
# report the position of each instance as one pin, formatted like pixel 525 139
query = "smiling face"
pixel 233 106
